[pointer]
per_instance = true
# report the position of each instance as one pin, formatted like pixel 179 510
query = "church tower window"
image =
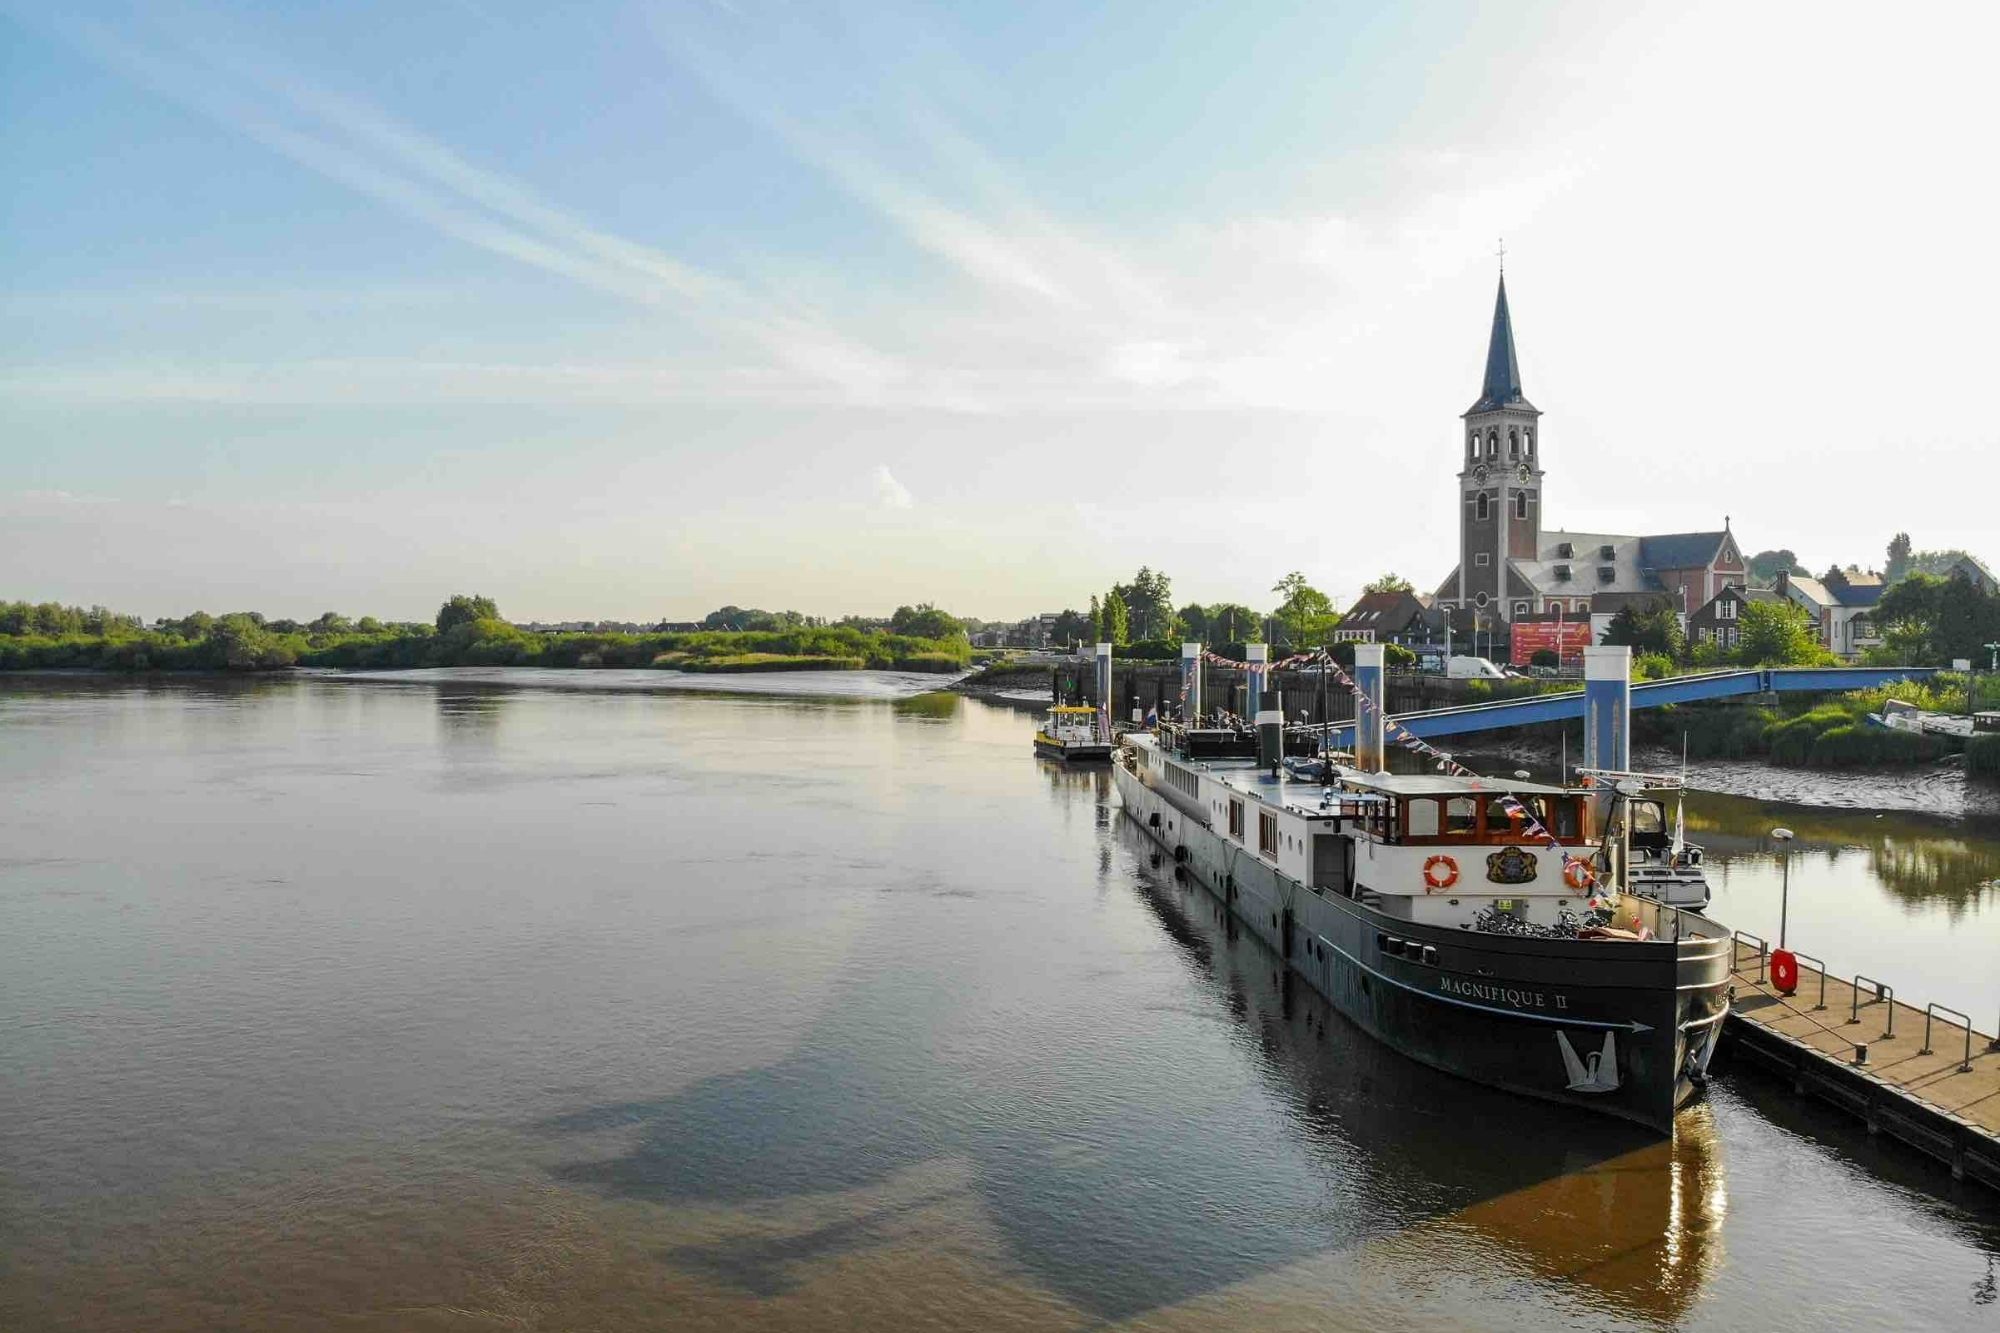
pixel 1484 507
pixel 1520 504
pixel 1513 443
pixel 1493 444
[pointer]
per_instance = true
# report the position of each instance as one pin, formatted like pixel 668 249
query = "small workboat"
pixel 1074 733
pixel 1663 864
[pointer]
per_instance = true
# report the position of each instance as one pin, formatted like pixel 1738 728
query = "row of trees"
pixel 467 630
pixel 1767 634
pixel 1143 611
pixel 1924 618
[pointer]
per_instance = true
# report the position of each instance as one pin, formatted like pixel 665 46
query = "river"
pixel 460 1000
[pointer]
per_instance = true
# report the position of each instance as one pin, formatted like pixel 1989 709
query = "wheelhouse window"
pixel 1560 815
pixel 1461 817
pixel 1267 833
pixel 1421 817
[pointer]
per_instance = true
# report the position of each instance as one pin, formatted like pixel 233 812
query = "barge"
pixel 1474 924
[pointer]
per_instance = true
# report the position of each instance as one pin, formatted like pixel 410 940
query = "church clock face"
pixel 1523 474
pixel 1479 473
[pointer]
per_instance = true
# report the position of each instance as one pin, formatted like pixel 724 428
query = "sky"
pixel 629 311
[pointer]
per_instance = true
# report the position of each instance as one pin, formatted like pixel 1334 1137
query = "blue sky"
pixel 634 310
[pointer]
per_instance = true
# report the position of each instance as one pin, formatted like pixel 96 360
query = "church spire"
pixel 1503 371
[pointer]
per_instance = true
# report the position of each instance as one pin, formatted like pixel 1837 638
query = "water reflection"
pixel 1122 1178
pixel 1919 861
pixel 1542 1189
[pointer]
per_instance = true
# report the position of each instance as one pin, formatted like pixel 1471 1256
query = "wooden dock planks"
pixel 1927 1100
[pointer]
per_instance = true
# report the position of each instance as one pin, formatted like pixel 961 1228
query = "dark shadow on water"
pixel 760 1264
pixel 1123 1203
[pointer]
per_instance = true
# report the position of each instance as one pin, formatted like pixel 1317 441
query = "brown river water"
pixel 471 1000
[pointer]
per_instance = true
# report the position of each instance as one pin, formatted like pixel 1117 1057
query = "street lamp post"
pixel 1784 840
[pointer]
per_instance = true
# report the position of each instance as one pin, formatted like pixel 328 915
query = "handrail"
pixel 1737 937
pixel 1965 1065
pixel 1883 991
pixel 1796 953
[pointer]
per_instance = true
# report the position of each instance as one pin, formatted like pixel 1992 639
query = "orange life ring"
pixel 1576 874
pixel 1433 881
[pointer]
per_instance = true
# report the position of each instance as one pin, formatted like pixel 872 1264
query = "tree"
pixel 1777 634
pixel 1069 627
pixel 1765 566
pixel 1390 583
pixel 924 621
pixel 1149 603
pixel 1899 558
pixel 463 610
pixel 1228 622
pixel 1652 629
pixel 1117 628
pixel 1096 620
pixel 1306 614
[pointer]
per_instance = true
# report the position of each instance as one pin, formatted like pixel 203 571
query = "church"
pixel 1513 571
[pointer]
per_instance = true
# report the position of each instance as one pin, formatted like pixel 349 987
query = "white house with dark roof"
pixel 1510 566
pixel 1841 605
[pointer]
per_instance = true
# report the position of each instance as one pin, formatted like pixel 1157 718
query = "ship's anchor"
pixel 1596 1072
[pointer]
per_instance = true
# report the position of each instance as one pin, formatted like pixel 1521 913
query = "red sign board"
pixel 1566 638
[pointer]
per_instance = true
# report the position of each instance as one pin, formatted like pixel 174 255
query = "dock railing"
pixel 1884 994
pixel 1742 939
pixel 1806 957
pixel 1965 1065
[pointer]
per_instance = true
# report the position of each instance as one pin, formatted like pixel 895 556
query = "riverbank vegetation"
pixel 467 631
pixel 1820 732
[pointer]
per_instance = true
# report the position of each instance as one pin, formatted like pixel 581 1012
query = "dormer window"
pixel 1607 574
pixel 1565 551
pixel 1607 552
pixel 1562 573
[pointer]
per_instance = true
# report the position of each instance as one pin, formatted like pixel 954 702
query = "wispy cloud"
pixel 363 149
pixel 890 493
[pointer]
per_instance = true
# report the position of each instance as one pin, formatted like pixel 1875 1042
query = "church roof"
pixel 1503 370
pixel 1679 550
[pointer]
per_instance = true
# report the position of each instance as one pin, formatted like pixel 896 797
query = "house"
pixel 1975 572
pixel 1510 567
pixel 1841 607
pixel 1718 621
pixel 1387 617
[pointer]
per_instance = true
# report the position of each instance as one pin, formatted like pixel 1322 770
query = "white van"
pixel 1473 668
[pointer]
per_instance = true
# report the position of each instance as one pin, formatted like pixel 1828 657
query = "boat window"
pixel 1461 815
pixel 1498 822
pixel 1648 817
pixel 1267 833
pixel 1423 817
pixel 1236 820
pixel 1559 817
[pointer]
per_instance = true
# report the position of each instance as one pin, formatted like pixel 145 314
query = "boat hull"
pixel 1623 1029
pixel 1093 752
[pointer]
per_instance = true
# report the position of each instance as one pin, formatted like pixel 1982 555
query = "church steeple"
pixel 1503 371
pixel 1500 486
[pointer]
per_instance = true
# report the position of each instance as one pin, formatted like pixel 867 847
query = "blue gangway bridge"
pixel 1468 718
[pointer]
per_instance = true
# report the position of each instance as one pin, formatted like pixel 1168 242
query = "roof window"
pixel 1607 552
pixel 1565 550
pixel 1607 574
pixel 1562 573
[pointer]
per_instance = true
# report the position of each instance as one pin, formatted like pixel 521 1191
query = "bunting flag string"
pixel 1409 740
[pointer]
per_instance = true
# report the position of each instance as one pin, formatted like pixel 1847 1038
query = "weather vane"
pixel 1502 254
